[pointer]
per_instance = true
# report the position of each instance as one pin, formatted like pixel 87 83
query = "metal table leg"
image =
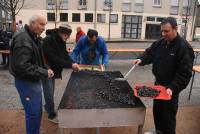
pixel 140 127
pixel 97 130
pixel 193 74
pixel 191 86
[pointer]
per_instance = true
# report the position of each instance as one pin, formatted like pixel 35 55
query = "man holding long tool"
pixel 172 58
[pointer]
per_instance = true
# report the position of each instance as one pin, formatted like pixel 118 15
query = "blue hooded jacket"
pixel 82 48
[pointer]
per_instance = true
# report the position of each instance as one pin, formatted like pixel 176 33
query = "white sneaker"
pixel 54 120
pixel 153 131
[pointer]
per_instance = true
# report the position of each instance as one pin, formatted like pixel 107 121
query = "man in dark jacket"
pixel 54 47
pixel 27 67
pixel 172 59
pixel 4 45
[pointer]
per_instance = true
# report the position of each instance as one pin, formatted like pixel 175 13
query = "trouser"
pixel 48 90
pixel 165 115
pixel 31 97
pixel 4 57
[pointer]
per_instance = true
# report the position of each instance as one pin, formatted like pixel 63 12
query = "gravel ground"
pixel 9 98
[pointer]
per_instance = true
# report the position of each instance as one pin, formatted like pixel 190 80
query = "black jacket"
pixel 4 39
pixel 55 53
pixel 172 64
pixel 26 57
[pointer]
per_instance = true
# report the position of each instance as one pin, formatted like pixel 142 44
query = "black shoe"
pixel 3 63
pixel 53 118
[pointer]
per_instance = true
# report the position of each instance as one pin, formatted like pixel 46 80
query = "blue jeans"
pixel 48 90
pixel 31 97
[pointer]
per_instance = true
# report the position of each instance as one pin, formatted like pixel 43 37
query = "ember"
pixel 92 89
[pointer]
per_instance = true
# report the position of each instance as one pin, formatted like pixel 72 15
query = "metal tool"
pixel 126 75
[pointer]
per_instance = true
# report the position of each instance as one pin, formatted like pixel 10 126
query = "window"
pixel 3 14
pixel 114 18
pixel 101 18
pixel 63 4
pixel 131 26
pixel 186 3
pixel 139 1
pixel 126 7
pixel 88 17
pixel 82 2
pixel 174 7
pixel 51 17
pixel 174 10
pixel 126 1
pixel 51 4
pixel 108 4
pixel 151 19
pixel 157 3
pixel 174 2
pixel 75 17
pixel 64 17
pixel 186 11
pixel 139 6
pixel 159 19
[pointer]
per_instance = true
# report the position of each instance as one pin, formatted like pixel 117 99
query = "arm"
pixel 148 56
pixel 104 52
pixel 52 56
pixel 184 72
pixel 76 51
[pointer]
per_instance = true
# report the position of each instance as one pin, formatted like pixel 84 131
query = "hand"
pixel 137 61
pixel 75 67
pixel 169 91
pixel 50 73
pixel 102 66
pixel 68 49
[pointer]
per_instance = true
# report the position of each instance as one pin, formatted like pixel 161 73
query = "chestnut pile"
pixel 145 91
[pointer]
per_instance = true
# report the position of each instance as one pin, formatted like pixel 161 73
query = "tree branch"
pixel 20 7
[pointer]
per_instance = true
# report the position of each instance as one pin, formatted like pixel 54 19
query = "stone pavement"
pixel 121 61
pixel 188 116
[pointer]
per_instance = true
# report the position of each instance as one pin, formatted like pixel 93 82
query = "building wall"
pixel 39 6
pixel 151 9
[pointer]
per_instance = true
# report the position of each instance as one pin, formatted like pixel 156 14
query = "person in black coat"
pixel 4 45
pixel 57 58
pixel 172 60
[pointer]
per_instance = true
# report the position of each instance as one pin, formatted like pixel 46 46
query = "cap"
pixel 65 28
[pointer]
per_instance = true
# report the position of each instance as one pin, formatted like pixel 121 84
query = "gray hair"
pixel 34 18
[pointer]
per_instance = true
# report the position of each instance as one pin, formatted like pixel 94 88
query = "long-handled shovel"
pixel 126 75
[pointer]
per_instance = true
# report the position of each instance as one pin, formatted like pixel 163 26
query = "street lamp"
pixel 195 18
pixel 110 9
pixel 186 18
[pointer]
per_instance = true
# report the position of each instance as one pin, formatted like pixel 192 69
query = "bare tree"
pixel 12 7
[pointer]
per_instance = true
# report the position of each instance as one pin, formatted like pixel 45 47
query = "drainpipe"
pixel 186 19
pixel 194 20
pixel 95 14
pixel 110 6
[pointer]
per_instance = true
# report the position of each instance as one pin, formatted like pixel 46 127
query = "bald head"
pixel 37 24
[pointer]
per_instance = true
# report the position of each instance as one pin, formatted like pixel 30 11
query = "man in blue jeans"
pixel 27 67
